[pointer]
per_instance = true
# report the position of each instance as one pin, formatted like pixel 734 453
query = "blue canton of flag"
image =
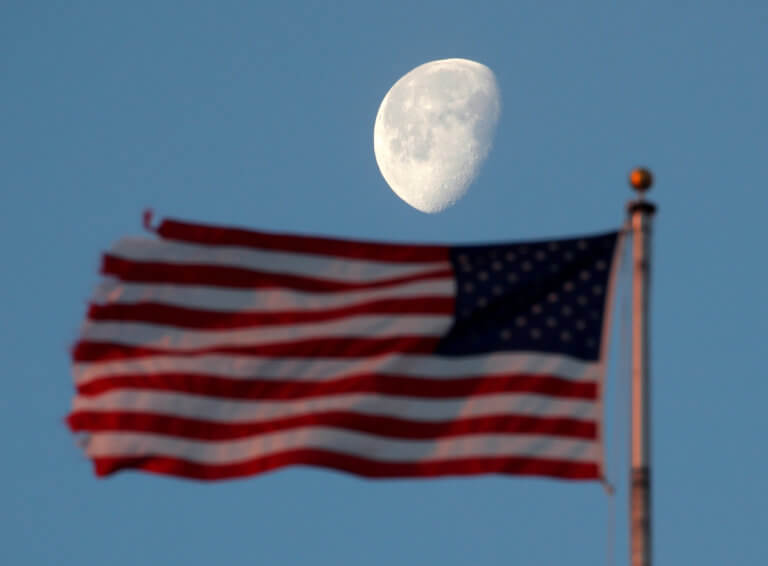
pixel 539 296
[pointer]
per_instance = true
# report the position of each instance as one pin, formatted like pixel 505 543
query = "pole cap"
pixel 641 179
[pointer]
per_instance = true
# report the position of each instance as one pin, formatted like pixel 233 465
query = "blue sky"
pixel 262 115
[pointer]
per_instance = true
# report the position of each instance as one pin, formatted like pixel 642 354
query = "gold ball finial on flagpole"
pixel 641 179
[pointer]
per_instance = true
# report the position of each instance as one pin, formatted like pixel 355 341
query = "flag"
pixel 213 352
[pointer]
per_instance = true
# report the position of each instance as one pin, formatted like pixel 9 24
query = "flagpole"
pixel 640 214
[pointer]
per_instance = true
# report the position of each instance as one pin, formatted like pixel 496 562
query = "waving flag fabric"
pixel 214 353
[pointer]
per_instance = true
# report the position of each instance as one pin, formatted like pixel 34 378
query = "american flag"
pixel 212 352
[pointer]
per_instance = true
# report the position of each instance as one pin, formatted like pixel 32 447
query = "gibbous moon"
pixel 434 130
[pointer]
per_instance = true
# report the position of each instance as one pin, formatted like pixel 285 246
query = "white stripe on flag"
pixel 124 444
pixel 318 369
pixel 113 291
pixel 373 404
pixel 286 263
pixel 174 338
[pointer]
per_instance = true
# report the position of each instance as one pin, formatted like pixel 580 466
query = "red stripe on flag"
pixel 563 469
pixel 86 351
pixel 221 387
pixel 96 421
pixel 238 278
pixel 182 317
pixel 218 236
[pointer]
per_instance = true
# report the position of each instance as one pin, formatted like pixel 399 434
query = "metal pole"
pixel 640 212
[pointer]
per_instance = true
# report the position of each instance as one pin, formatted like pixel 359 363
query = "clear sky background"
pixel 261 115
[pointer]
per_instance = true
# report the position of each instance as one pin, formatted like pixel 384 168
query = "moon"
pixel 434 130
